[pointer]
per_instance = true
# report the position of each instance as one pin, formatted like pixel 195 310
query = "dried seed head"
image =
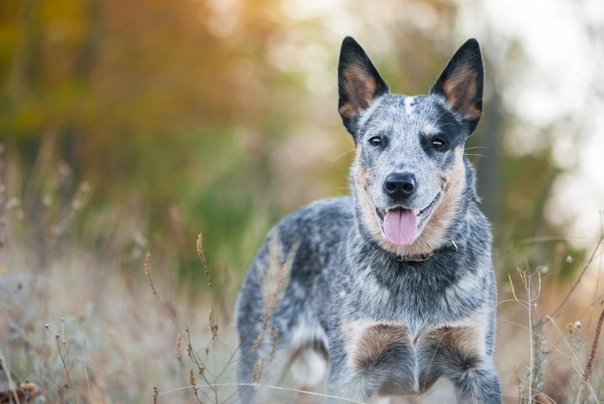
pixel 569 259
pixel 213 326
pixel 275 342
pixel 256 342
pixel 543 270
pixel 178 351
pixel 257 371
pixel 155 395
pixel 192 381
pixel 202 259
pixel 577 324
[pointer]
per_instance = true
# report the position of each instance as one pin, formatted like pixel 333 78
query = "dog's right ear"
pixel 359 83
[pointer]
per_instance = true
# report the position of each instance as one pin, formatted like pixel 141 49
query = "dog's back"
pixel 313 240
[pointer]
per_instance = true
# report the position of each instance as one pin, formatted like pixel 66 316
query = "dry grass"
pixel 76 326
pixel 557 369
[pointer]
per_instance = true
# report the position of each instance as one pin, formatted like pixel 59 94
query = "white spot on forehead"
pixel 408 105
pixel 429 128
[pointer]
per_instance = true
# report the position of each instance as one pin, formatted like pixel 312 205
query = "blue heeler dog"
pixel 393 287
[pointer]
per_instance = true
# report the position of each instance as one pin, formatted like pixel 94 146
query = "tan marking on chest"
pixel 453 181
pixel 378 339
pixel 466 337
pixel 365 340
pixel 363 179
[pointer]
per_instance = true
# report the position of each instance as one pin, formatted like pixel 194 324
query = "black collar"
pixel 425 257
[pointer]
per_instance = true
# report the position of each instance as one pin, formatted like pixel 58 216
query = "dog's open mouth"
pixel 400 225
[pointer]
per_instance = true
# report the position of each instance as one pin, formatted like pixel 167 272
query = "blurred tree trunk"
pixel 489 146
pixel 84 66
pixel 21 69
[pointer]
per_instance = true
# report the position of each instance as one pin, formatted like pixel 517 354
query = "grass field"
pixel 87 315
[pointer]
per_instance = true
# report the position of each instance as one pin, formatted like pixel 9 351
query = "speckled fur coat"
pixel 392 287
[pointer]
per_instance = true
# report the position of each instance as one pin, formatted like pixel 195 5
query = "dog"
pixel 392 287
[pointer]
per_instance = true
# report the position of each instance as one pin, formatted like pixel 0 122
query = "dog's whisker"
pixel 343 154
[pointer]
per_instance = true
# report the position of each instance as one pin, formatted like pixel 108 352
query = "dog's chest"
pixel 403 360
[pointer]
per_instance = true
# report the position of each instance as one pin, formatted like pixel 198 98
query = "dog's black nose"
pixel 400 185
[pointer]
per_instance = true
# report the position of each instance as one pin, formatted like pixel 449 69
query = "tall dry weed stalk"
pixel 536 326
pixel 206 378
pixel 586 382
pixel 274 276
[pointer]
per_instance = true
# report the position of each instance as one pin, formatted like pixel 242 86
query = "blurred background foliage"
pixel 219 116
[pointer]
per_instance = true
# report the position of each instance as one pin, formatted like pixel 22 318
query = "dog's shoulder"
pixel 310 236
pixel 317 222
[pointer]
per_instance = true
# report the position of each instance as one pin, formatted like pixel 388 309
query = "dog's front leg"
pixel 344 380
pixel 477 384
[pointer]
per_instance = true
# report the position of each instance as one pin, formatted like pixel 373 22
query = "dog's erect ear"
pixel 359 83
pixel 461 83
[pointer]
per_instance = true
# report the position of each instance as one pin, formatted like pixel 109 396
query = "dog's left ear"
pixel 359 83
pixel 461 83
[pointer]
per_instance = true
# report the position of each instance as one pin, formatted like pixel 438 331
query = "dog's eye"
pixel 375 141
pixel 437 142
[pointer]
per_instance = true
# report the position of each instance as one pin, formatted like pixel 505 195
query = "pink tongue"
pixel 400 226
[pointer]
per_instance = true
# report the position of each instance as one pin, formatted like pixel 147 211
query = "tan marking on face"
pixel 362 180
pixel 364 340
pixel 460 91
pixel 453 181
pixel 360 88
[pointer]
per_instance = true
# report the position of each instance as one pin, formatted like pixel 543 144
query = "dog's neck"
pixel 450 246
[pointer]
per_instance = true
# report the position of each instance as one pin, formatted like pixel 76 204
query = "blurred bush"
pixel 220 116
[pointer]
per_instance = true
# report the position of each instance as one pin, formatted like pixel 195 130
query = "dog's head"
pixel 409 171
